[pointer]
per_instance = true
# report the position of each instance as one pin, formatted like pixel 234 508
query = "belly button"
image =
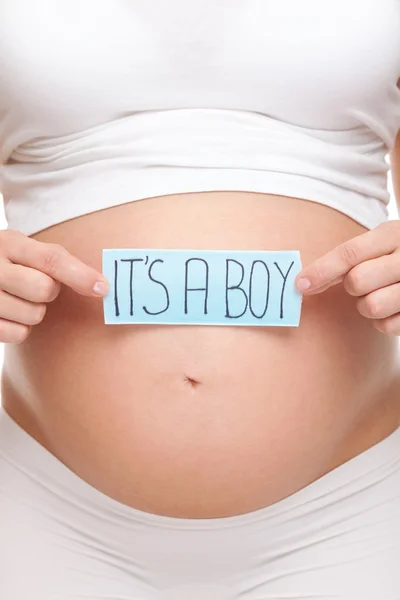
pixel 192 382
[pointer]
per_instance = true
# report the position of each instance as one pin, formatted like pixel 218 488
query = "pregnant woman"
pixel 199 462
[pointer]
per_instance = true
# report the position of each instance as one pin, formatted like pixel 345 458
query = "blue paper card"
pixel 201 287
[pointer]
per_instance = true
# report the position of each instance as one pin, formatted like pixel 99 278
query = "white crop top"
pixel 107 101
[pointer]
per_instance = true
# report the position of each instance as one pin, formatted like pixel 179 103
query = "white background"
pixel 393 214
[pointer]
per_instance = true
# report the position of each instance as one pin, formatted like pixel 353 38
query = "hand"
pixel 369 266
pixel 31 273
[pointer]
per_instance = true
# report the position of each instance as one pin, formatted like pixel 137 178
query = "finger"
pixel 373 274
pixel 13 333
pixel 27 283
pixel 390 325
pixel 384 239
pixel 55 260
pixel 19 310
pixel 328 285
pixel 381 303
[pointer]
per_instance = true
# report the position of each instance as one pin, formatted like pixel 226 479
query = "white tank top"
pixel 107 101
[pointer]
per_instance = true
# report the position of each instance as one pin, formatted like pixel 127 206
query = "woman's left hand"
pixel 369 266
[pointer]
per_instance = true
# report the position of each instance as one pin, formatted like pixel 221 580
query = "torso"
pixel 274 408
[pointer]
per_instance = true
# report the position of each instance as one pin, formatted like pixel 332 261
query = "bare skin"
pixel 206 421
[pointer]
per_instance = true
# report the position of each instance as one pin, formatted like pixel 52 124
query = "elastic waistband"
pixel 359 475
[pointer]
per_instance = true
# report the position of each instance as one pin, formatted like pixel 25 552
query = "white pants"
pixel 62 539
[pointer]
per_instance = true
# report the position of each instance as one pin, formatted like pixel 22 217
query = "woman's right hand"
pixel 31 273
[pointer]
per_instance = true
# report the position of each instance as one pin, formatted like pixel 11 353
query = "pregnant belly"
pixel 203 420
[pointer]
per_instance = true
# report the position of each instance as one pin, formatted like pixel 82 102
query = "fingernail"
pixel 303 284
pixel 100 288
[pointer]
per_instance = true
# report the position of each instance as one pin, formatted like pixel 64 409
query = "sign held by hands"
pixel 201 287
